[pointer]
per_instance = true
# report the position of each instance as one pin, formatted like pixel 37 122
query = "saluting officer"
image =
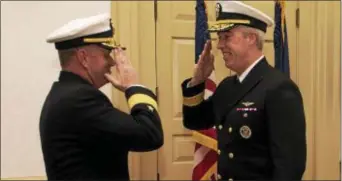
pixel 258 113
pixel 83 136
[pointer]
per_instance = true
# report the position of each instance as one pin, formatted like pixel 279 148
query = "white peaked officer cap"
pixel 229 14
pixel 84 31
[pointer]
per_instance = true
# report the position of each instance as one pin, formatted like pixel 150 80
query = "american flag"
pixel 205 154
pixel 281 49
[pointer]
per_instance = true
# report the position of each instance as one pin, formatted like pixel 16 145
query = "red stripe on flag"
pixel 210 85
pixel 201 168
pixel 213 177
pixel 209 132
pixel 197 146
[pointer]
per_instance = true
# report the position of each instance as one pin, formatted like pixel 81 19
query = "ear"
pixel 251 38
pixel 82 57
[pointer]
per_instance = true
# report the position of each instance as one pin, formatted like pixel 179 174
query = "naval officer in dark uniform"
pixel 83 136
pixel 258 113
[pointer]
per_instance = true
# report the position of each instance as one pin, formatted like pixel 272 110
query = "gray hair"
pixel 65 56
pixel 260 35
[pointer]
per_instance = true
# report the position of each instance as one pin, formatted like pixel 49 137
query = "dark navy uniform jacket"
pixel 84 137
pixel 260 124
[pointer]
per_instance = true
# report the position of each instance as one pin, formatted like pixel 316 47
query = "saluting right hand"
pixel 205 65
pixel 126 75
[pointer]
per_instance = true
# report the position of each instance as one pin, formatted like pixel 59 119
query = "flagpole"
pixel 156 77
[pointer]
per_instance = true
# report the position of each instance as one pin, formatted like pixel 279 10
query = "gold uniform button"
pixel 150 108
pixel 219 151
pixel 230 179
pixel 231 155
pixel 230 129
pixel 220 127
pixel 218 176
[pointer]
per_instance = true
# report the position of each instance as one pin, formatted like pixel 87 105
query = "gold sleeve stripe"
pixel 194 100
pixel 141 98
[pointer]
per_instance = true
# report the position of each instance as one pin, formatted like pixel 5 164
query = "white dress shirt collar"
pixel 245 73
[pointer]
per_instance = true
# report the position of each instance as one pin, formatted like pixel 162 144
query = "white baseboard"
pixel 26 178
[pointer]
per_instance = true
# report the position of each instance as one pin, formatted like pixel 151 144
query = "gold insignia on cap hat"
pixel 220 27
pixel 223 25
